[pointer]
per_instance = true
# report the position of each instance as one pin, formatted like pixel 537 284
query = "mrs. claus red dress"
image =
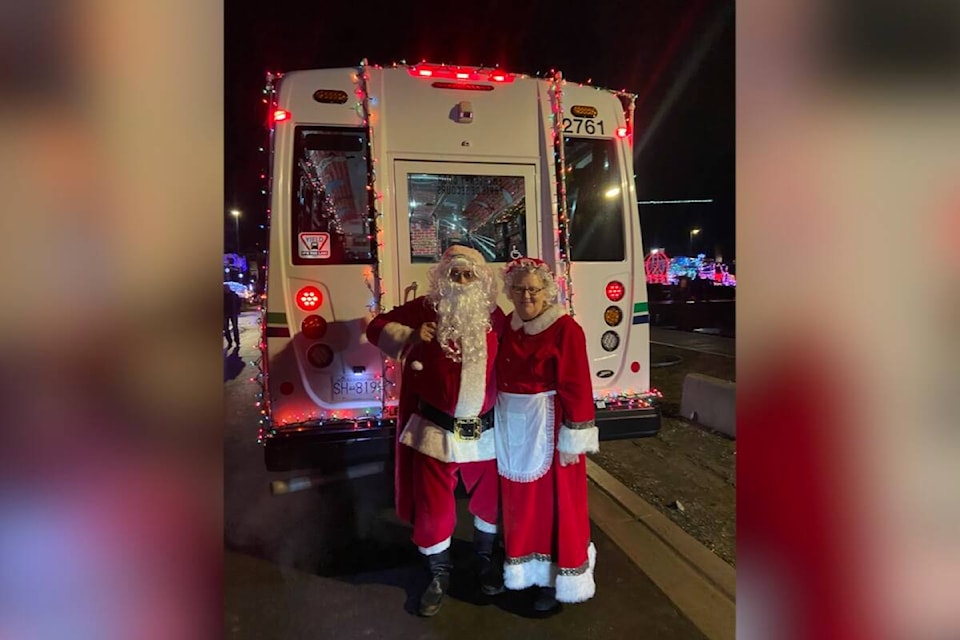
pixel 544 406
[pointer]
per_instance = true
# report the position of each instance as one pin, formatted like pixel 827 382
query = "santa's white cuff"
pixel 443 545
pixel 578 440
pixel 483 525
pixel 393 338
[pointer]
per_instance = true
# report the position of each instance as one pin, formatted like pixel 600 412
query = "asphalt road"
pixel 333 560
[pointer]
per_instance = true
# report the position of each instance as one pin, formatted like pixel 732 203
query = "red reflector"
pixel 621 132
pixel 635 367
pixel 280 115
pixel 462 86
pixel 615 291
pixel 286 388
pixel 313 327
pixel 309 298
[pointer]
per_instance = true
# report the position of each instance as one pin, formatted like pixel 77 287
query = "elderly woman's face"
pixel 528 296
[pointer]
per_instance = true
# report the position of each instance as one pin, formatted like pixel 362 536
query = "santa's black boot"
pixel 546 600
pixel 489 571
pixel 439 565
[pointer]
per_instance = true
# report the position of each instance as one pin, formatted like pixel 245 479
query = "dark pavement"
pixel 694 341
pixel 333 561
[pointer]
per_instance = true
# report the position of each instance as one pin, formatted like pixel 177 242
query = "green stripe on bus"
pixel 276 318
pixel 640 307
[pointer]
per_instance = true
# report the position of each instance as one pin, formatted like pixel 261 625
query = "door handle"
pixel 411 289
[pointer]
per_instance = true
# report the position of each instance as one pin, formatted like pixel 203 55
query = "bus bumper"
pixel 621 424
pixel 330 448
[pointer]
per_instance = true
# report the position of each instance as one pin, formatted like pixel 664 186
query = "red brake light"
pixel 474 74
pixel 621 132
pixel 313 327
pixel 615 291
pixel 279 115
pixel 309 298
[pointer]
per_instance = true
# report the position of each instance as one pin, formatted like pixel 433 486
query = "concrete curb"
pixel 695 579
pixel 711 402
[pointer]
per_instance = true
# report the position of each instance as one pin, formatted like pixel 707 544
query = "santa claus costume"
pixel 545 420
pixel 445 417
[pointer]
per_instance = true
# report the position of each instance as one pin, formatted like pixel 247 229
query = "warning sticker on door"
pixel 314 244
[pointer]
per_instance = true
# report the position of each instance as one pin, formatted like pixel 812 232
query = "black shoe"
pixel 440 566
pixel 546 600
pixel 489 571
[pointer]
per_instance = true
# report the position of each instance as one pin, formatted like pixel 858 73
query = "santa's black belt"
pixel 463 428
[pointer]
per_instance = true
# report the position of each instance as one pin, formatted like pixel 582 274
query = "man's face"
pixel 462 274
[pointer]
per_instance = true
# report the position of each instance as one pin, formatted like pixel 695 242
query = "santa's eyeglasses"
pixel 463 275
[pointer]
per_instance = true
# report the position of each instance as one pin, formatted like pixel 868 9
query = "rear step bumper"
pixel 335 446
pixel 332 447
pixel 621 424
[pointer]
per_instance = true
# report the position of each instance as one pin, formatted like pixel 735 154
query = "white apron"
pixel 524 435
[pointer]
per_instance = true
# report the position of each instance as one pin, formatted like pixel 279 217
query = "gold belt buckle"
pixel 470 434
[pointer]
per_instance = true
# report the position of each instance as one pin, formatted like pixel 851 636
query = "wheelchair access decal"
pixel 314 244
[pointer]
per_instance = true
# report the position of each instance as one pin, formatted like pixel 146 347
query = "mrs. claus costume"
pixel 544 407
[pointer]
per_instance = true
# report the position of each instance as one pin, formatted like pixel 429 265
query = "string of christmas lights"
pixel 375 231
pixel 262 402
pixel 563 236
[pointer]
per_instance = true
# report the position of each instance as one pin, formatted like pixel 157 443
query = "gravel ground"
pixel 684 463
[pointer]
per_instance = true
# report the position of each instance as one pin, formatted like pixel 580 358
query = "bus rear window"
pixel 594 200
pixel 487 213
pixel 329 198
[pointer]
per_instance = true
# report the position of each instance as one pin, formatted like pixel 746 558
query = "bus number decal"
pixel 583 125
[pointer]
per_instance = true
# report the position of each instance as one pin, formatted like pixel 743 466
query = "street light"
pixel 693 232
pixel 236 219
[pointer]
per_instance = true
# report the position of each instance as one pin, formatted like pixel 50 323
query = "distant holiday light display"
pixel 662 269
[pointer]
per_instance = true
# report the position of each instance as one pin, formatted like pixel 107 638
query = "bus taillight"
pixel 309 298
pixel 622 132
pixel 313 327
pixel 320 356
pixel 615 291
pixel 279 115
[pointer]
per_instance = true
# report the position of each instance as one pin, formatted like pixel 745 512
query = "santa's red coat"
pixel 435 379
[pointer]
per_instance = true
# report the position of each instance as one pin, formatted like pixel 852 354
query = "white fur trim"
pixel 473 387
pixel 483 525
pixel 430 440
pixel 437 548
pixel 393 338
pixel 578 440
pixel 578 588
pixel 533 572
pixel 539 324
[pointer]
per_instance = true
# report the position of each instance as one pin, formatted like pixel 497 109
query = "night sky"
pixel 676 55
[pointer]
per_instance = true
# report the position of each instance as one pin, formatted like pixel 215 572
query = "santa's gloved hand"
pixel 566 459
pixel 427 331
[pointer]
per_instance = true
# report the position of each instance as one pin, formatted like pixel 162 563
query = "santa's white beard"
pixel 463 320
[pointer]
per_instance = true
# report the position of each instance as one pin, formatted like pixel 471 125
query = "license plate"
pixel 345 388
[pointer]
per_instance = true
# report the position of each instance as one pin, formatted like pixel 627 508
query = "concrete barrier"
pixel 711 402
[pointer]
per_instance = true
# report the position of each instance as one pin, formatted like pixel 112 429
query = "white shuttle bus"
pixel 376 171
